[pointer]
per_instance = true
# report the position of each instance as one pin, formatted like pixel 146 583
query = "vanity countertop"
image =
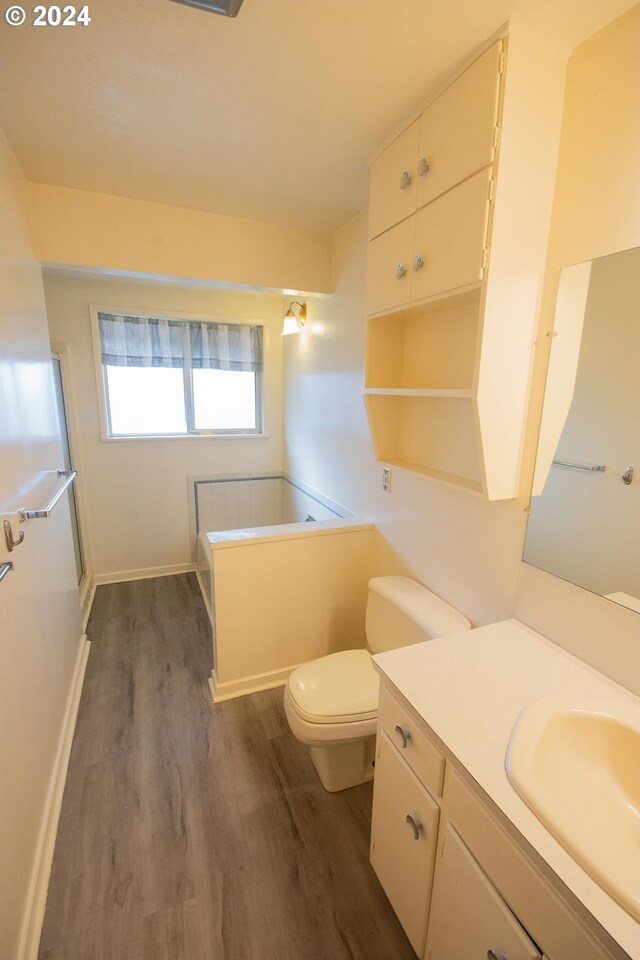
pixel 470 688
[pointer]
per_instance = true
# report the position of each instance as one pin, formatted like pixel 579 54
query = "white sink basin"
pixel 576 764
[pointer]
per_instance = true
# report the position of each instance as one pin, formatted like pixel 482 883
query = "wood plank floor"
pixel 198 832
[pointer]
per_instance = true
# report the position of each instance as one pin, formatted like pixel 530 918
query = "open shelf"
pixel 451 479
pixel 429 434
pixel 433 350
pixel 394 392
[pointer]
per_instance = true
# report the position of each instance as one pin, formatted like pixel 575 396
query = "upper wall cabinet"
pixel 455 136
pixel 460 209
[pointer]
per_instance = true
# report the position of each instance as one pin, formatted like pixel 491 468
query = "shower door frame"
pixel 60 352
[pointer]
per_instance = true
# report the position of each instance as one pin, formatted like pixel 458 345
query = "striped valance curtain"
pixel 157 342
pixel 226 346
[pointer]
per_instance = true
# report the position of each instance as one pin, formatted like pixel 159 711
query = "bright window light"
pixel 169 377
pixel 224 400
pixel 145 400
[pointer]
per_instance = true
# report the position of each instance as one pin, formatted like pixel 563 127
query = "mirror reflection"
pixel 585 509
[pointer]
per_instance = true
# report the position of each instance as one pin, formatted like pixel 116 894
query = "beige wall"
pixel 40 633
pixel 80 228
pixel 464 549
pixel 282 600
pixel 135 491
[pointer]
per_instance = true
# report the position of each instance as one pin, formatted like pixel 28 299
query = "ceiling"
pixel 270 116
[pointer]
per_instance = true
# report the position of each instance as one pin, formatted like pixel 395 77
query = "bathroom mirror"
pixel 584 523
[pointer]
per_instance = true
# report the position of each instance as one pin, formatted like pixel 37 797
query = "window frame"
pixel 187 371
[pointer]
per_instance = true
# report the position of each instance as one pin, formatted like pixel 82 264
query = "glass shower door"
pixel 68 464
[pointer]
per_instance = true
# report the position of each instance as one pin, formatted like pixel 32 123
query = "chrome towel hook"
pixel 8 536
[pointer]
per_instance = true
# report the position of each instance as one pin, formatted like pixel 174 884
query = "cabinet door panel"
pixel 384 289
pixel 404 864
pixel 468 916
pixel 450 238
pixel 458 130
pixel 390 202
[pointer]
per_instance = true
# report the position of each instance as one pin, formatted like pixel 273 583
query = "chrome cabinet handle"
pixel 8 536
pixel 418 262
pixel 423 166
pixel 5 568
pixel 492 955
pixel 404 734
pixel 415 824
pixel 401 271
pixel 405 180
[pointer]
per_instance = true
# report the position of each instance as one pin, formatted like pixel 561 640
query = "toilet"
pixel 332 703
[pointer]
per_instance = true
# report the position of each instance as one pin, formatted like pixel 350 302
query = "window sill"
pixel 189 436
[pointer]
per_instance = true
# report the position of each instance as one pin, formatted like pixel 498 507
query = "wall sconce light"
pixel 294 322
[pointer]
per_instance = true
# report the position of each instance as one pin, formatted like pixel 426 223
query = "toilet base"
pixel 344 765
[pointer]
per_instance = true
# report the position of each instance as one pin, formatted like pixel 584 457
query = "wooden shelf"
pixel 418 392
pixel 431 434
pixel 430 352
pixel 434 304
pixel 450 479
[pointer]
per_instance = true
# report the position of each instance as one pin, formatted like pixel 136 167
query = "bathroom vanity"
pixel 468 867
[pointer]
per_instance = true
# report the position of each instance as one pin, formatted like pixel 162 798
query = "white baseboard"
pixel 37 895
pixel 245 685
pixel 144 573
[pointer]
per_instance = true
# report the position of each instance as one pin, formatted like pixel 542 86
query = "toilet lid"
pixel 339 688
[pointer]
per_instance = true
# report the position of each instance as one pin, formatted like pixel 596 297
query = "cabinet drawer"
pixel 414 745
pixel 402 854
pixel 392 198
pixel 386 253
pixel 469 919
pixel 450 238
pixel 458 132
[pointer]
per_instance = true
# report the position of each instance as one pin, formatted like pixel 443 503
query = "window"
pixel 171 377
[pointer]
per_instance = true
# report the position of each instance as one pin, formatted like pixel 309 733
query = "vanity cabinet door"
pixel 469 919
pixel 403 840
pixel 393 181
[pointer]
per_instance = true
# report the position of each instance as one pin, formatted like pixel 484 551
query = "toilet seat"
pixel 341 688
pixel 326 734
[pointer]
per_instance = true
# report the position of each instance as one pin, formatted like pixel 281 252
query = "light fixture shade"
pixel 294 322
pixel 290 324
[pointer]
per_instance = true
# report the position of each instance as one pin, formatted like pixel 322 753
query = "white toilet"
pixel 332 703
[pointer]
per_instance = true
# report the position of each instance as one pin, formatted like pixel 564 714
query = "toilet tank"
pixel 401 611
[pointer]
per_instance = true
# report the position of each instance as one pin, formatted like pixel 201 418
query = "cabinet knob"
pixel 401 271
pixel 418 262
pixel 405 180
pixel 404 734
pixel 423 166
pixel 416 826
pixel 493 955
